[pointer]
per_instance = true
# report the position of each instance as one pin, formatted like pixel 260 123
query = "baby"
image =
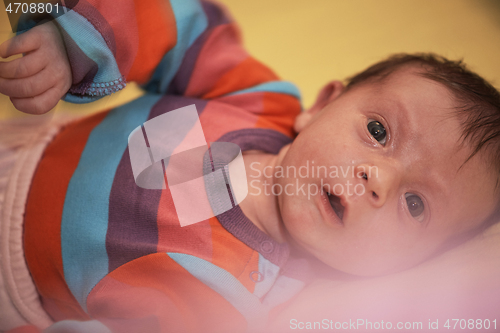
pixel 415 138
pixel 414 129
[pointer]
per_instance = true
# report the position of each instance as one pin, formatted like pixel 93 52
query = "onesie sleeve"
pixel 177 47
pixel 110 43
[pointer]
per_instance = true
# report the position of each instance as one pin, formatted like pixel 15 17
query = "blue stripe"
pixel 90 41
pixel 269 272
pixel 85 215
pixel 281 87
pixel 80 99
pixel 191 22
pixel 283 290
pixel 74 326
pixel 225 284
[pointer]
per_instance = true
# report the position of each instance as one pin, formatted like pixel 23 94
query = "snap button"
pixel 256 276
pixel 266 247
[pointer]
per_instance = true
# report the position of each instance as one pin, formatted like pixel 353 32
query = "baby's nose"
pixel 378 182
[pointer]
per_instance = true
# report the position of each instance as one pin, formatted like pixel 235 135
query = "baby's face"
pixel 394 170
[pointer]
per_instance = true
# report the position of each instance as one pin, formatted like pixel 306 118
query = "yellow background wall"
pixel 311 42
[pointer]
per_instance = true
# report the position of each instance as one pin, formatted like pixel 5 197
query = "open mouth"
pixel 336 205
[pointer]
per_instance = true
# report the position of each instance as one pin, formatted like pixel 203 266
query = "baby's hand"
pixel 39 79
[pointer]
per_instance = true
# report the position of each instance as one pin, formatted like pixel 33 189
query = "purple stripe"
pixel 181 80
pixel 83 68
pixel 170 103
pixel 266 140
pixel 234 220
pixel 95 18
pixel 132 226
pixel 132 230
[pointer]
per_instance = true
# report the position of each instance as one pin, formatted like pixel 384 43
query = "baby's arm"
pixel 178 47
pixel 103 44
pixel 39 79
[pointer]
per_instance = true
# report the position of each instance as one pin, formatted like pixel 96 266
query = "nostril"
pixel 374 195
pixel 365 176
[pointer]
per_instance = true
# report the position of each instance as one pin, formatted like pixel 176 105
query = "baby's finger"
pixel 21 67
pixel 22 43
pixel 27 87
pixel 39 104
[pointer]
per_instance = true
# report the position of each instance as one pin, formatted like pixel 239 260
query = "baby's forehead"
pixel 411 75
pixel 411 89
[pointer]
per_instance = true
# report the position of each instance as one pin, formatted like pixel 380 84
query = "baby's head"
pixel 407 156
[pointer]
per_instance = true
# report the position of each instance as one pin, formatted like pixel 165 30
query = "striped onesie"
pixel 108 256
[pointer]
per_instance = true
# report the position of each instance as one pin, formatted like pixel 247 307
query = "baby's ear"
pixel 327 94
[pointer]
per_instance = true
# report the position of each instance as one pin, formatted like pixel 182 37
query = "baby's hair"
pixel 479 101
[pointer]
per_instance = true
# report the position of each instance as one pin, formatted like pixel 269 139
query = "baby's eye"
pixel 415 206
pixel 377 130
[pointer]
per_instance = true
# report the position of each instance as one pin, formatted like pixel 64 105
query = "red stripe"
pixel 157 35
pixel 157 286
pixel 42 233
pixel 246 74
pixel 218 119
pixel 123 29
pixel 231 254
pixel 193 239
pixel 221 52
pixel 24 329
pixel 280 111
